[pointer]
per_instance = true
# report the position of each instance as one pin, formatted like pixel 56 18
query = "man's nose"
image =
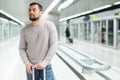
pixel 31 12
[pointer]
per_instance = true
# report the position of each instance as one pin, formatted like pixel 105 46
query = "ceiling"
pixel 19 8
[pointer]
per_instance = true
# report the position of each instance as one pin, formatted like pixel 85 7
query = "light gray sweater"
pixel 38 43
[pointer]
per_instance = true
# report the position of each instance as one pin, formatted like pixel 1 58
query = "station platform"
pixel 13 67
pixel 104 53
pixel 100 52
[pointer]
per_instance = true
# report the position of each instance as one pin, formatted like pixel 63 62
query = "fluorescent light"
pixel 100 8
pixel 63 19
pixel 65 4
pixel 76 15
pixel 86 12
pixel 116 3
pixel 11 17
pixel 52 5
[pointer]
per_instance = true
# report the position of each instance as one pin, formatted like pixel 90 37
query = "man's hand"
pixel 40 66
pixel 29 68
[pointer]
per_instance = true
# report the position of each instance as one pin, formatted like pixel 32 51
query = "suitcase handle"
pixel 33 75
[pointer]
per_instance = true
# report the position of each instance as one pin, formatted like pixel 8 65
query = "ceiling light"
pixel 76 15
pixel 11 17
pixel 86 12
pixel 63 19
pixel 116 3
pixel 65 4
pixel 52 5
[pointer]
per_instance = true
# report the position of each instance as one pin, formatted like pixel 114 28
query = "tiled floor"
pixel 12 67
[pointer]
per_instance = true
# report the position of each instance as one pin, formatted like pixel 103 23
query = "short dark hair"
pixel 39 5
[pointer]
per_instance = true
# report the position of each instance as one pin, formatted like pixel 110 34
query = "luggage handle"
pixel 33 70
pixel 33 75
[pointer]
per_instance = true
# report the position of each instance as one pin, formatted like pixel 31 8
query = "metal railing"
pixel 89 64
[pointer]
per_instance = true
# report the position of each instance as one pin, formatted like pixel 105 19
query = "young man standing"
pixel 38 44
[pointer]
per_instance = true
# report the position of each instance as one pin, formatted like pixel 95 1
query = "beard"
pixel 34 19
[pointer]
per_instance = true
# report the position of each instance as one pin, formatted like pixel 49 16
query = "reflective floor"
pixel 109 55
pixel 13 67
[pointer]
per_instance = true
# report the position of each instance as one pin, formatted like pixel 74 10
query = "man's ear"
pixel 41 12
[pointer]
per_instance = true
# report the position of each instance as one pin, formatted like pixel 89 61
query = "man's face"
pixel 34 13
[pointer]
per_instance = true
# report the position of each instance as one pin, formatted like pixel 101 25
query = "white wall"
pixel 54 18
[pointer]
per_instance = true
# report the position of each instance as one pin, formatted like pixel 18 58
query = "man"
pixel 67 31
pixel 38 44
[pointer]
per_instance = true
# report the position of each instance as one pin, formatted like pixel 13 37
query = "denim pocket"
pixel 48 67
pixel 49 73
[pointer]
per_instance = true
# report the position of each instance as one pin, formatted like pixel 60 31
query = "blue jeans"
pixel 39 74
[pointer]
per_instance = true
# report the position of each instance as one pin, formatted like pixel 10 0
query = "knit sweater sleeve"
pixel 23 47
pixel 53 40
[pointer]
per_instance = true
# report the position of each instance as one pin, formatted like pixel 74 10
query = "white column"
pixel 87 30
pixel 106 35
pixel 115 33
pixel 79 31
pixel 2 31
pixel 92 32
pixel 100 33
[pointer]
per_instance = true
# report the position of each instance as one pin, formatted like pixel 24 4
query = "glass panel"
pixel 95 31
pixel 103 37
pixel 110 32
pixel 0 31
pixel 63 26
pixel 6 34
pixel 118 39
pixel 75 30
pixel 82 31
pixel 99 32
pixel 10 30
pixel 89 31
pixel 85 31
pixel 63 30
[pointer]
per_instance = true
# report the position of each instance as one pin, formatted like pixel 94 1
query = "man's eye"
pixel 34 10
pixel 29 10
